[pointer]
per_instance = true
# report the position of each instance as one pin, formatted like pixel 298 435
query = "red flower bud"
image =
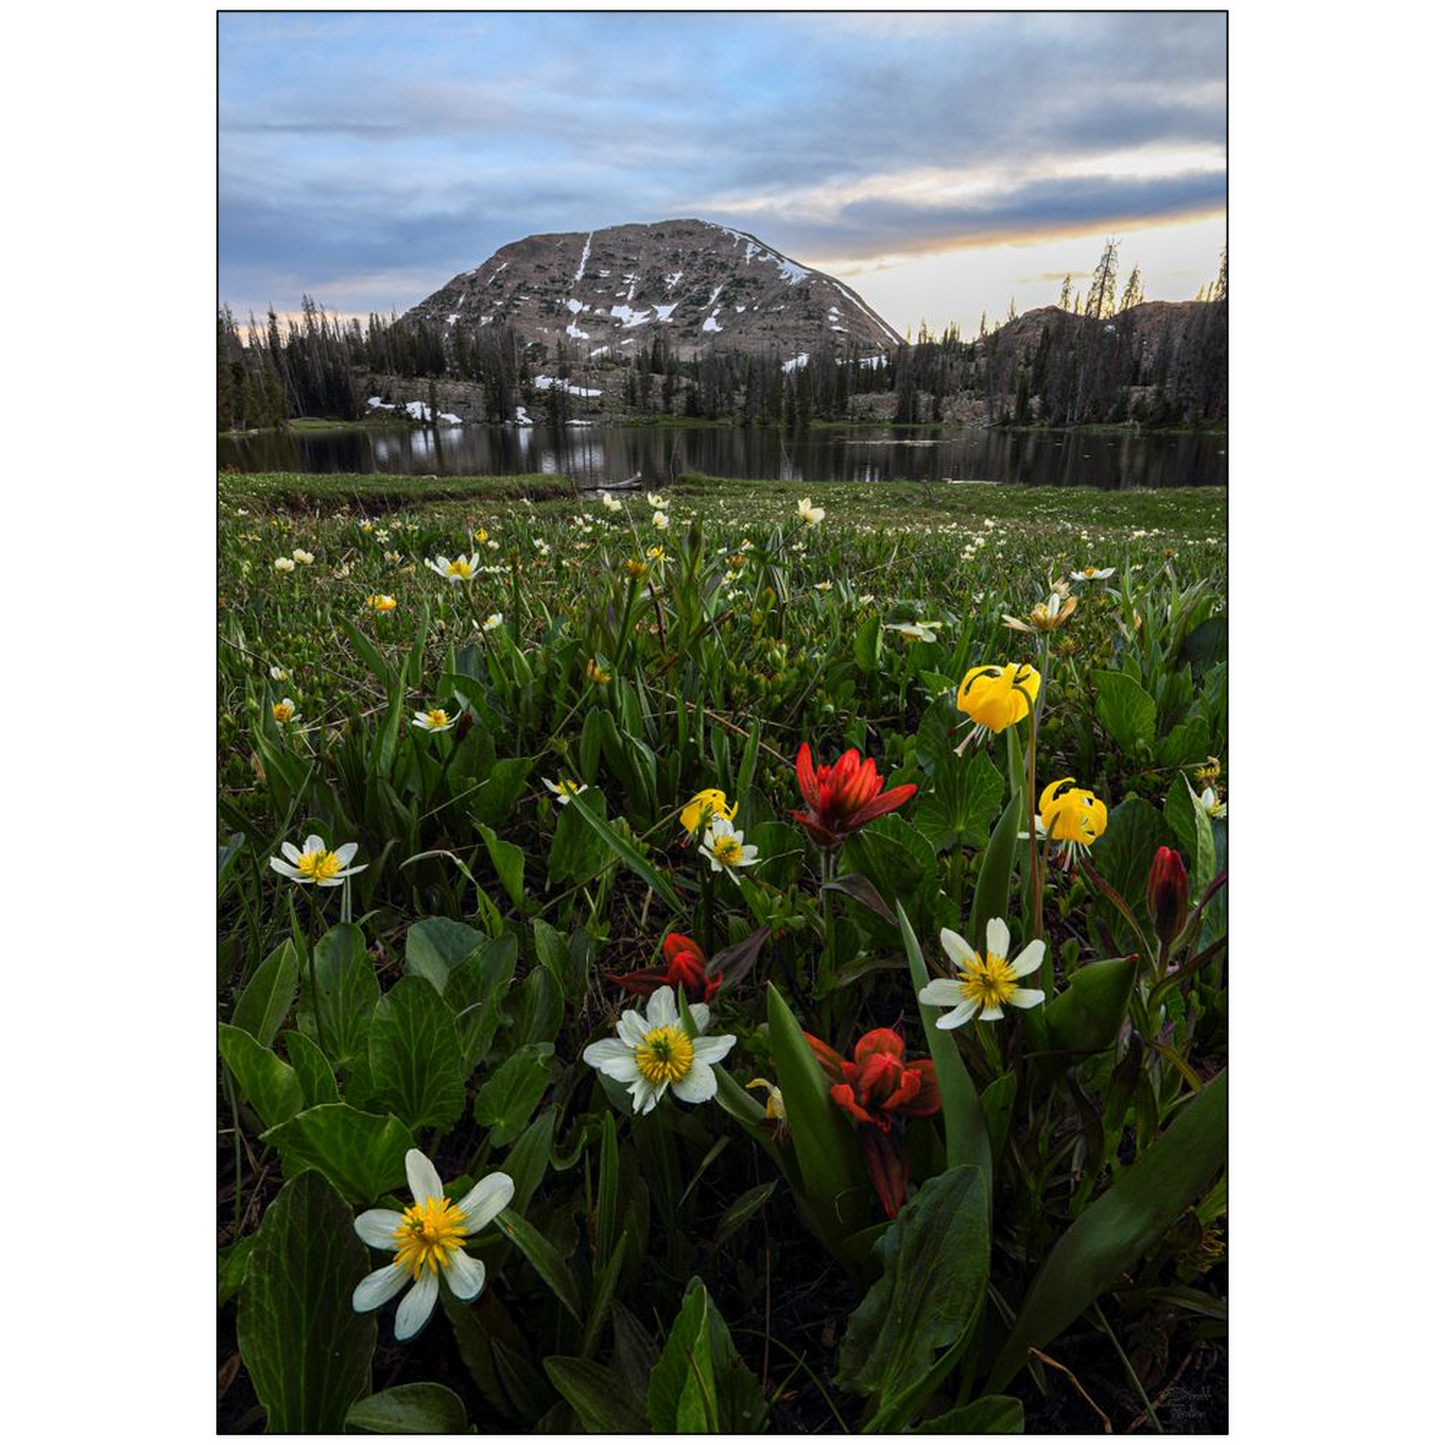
pixel 1168 895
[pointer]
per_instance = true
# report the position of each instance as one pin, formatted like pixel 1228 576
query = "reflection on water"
pixel 595 455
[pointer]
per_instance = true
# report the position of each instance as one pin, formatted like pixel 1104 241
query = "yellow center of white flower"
pixel 568 789
pixel 437 717
pixel 282 712
pixel 460 568
pixel 428 1235
pixel 664 1056
pixel 318 866
pixel 1089 571
pixel 727 849
pixel 991 981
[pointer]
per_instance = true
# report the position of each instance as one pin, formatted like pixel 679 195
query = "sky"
pixel 944 166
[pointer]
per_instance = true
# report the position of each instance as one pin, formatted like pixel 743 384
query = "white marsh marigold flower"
pixel 725 849
pixel 436 720
pixel 459 569
pixel 983 984
pixel 810 514
pixel 314 862
pixel 428 1240
pixel 655 1054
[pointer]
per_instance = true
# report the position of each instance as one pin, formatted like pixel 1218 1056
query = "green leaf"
pixel 1086 1016
pixel 308 1353
pixel 267 1081
pixel 633 859
pixel 1125 853
pixel 416 1057
pixel 1194 829
pixel 868 644
pixel 1207 644
pixel 1187 742
pixel 742 1209
pixel 509 861
pixel 964 1129
pixel 956 810
pixel 1126 712
pixel 509 1098
pixel 233 1262
pixel 419 1409
pixel 313 1070
pixel 1116 1231
pixel 997 1103
pixel 436 945
pixel 701 1384
pixel 542 1009
pixel 935 1259
pixel 267 998
pixel 828 1157
pixel 527 1163
pixel 578 851
pixel 995 873
pixel 346 983
pixel 474 993
pixel 363 1155
pixel 990 1415
pixel 603 1402
pixel 542 1255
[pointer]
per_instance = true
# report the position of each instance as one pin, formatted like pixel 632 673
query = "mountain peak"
pixel 698 284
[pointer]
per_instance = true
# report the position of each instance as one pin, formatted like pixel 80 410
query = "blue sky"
pixel 942 165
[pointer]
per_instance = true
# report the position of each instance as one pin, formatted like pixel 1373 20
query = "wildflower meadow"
pixel 733 958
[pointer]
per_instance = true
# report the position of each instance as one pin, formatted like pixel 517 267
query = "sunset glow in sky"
pixel 942 165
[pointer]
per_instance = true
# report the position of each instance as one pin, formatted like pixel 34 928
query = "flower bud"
pixel 1168 895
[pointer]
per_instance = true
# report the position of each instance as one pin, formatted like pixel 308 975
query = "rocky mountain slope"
pixel 611 292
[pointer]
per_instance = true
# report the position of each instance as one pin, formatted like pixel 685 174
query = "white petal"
pixel 416 1306
pixel 486 1200
pixel 958 1016
pixel 993 1011
pixel 697 1085
pixel 314 845
pixel 284 869
pixel 996 938
pixel 940 993
pixel 645 1096
pixel 1029 960
pixel 291 852
pixel 1026 997
pixel 346 852
pixel 632 1027
pixel 421 1177
pixel 613 1058
pixel 378 1287
pixel 466 1276
pixel 712 1051
pixel 329 882
pixel 378 1226
pixel 957 947
pixel 700 1016
pixel 662 1008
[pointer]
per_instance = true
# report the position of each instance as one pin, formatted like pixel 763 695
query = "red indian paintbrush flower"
pixel 878 1089
pixel 686 965
pixel 1167 894
pixel 843 796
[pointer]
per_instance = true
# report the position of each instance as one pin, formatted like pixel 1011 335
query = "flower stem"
pixel 1036 861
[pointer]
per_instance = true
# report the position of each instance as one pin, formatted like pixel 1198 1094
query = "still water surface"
pixel 596 455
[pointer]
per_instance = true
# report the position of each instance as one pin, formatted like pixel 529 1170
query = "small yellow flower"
pixel 995 697
pixel 380 602
pixel 810 514
pixel 1208 775
pixel 710 803
pixel 656 554
pixel 481 535
pixel 1071 817
pixel 634 568
pixel 1046 616
pixel 284 710
pixel 596 675
pixel 774 1111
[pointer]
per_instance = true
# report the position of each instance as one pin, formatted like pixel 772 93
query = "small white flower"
pixel 428 1240
pixel 1092 574
pixel 1209 800
pixel 564 791
pixel 654 1054
pixel 723 844
pixel 822 587
pixel 284 710
pixel 315 863
pixel 983 985
pixel 284 564
pixel 659 520
pixel 302 556
pixel 611 502
pixel 656 499
pixel 279 674
pixel 459 569
pixel 919 631
pixel 437 720
pixel 810 514
pixel 492 623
